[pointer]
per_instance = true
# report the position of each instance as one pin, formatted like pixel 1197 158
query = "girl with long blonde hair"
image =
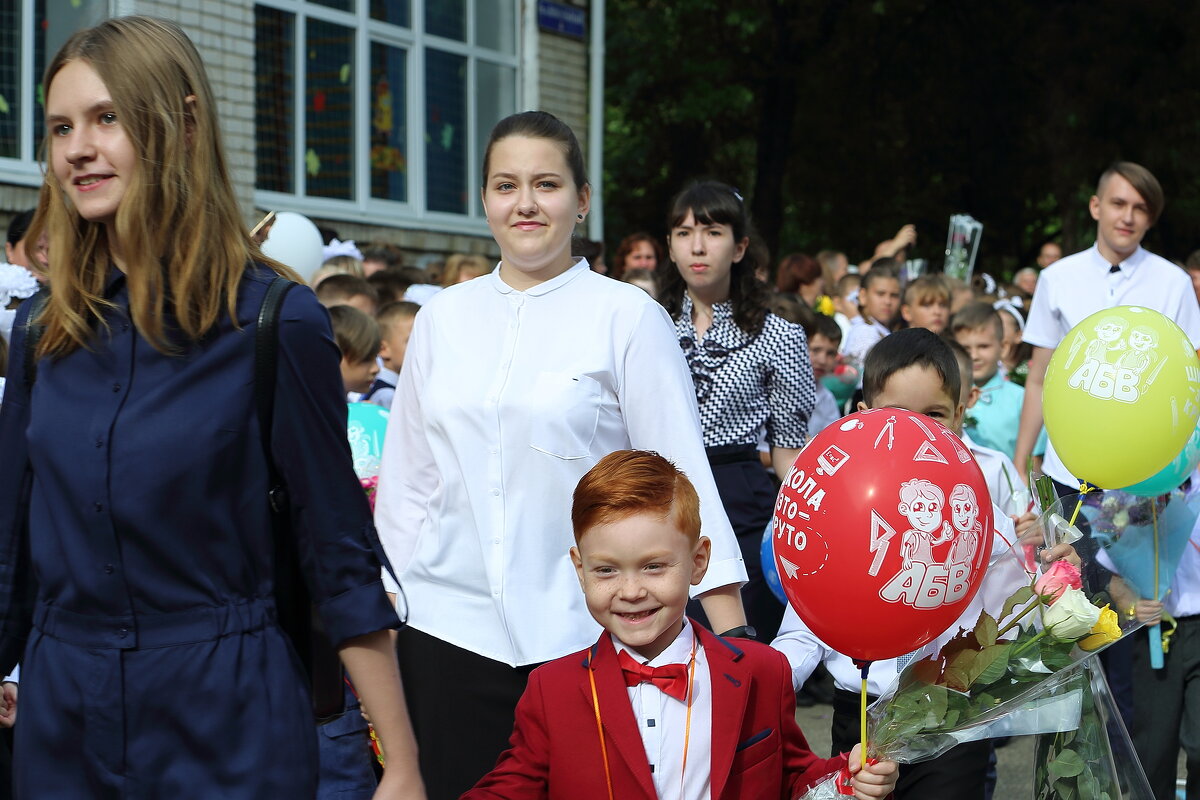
pixel 136 563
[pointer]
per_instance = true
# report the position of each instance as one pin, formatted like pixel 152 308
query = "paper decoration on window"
pixel 312 163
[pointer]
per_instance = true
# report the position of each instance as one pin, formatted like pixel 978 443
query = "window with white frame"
pixel 30 31
pixel 378 110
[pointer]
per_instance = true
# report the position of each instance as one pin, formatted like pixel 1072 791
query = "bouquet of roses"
pixel 1021 670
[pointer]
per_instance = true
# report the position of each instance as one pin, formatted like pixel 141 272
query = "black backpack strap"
pixel 266 352
pixel 33 334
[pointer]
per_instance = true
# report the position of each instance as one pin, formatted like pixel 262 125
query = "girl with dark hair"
pixel 750 368
pixel 514 385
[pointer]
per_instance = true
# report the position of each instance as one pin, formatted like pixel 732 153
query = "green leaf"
pixel 1019 598
pixel 1066 764
pixel 985 630
pixel 991 664
pixel 1057 655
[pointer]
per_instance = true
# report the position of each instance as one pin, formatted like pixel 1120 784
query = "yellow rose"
pixel 1106 630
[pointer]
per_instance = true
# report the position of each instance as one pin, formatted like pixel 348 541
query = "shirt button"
pixel 99 507
pixel 116 387
pixel 108 569
pixel 123 633
pixel 495 492
pixel 496 540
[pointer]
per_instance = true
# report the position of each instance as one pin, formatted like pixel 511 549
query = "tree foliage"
pixel 844 119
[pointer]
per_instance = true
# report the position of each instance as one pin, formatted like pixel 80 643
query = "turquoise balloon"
pixel 1173 474
pixel 365 428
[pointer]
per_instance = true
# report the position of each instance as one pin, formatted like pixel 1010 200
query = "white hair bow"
pixel 339 248
pixel 16 283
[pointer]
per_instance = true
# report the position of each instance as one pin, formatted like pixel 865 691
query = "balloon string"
pixel 1084 488
pixel 1154 517
pixel 862 726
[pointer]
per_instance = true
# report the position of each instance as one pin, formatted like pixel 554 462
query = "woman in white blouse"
pixel 514 385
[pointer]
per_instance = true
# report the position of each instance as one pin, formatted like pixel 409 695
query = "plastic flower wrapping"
pixel 1027 668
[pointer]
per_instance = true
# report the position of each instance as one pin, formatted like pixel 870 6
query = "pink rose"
pixel 1062 575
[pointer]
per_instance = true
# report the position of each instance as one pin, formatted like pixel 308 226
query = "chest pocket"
pixel 567 410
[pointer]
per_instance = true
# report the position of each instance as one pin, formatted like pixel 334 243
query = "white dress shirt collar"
pixel 545 287
pixel 679 651
pixel 663 721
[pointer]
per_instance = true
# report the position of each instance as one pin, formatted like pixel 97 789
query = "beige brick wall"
pixel 223 31
pixel 563 81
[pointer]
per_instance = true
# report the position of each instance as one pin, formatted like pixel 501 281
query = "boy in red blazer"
pixel 658 707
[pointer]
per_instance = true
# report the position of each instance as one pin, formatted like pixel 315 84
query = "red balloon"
pixel 882 532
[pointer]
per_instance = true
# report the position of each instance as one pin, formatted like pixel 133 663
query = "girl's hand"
pixel 8 705
pixel 1060 552
pixel 1147 611
pixel 1027 530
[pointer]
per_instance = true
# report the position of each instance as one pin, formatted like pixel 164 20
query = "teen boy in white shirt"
pixel 1115 271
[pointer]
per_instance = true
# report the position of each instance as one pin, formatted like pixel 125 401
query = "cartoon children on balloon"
pixel 922 502
pixel 964 514
pixel 924 581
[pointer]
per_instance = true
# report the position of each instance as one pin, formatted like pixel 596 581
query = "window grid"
pixel 22 57
pixel 375 195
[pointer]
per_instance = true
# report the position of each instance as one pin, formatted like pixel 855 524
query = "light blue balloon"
pixel 1173 474
pixel 770 571
pixel 365 428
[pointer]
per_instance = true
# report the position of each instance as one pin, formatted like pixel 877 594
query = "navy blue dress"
pixel 133 492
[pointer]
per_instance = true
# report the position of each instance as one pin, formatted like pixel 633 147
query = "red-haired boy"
pixel 658 707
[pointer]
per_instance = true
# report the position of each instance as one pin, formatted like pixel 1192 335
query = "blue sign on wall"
pixel 562 18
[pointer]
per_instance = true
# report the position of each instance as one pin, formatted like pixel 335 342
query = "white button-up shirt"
pixel 663 721
pixel 505 400
pixel 1073 288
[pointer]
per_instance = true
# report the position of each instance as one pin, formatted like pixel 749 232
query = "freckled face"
pixel 635 573
pixel 91 156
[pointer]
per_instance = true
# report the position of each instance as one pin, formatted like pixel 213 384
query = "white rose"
pixel 1071 616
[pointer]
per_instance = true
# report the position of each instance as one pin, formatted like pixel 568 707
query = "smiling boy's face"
pixel 920 389
pixel 635 574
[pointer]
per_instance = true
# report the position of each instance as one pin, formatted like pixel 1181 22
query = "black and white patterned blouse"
pixel 744 383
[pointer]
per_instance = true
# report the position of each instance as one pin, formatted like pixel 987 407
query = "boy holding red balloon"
pixel 916 371
pixel 658 707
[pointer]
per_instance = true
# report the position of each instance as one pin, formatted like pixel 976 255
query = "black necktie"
pixel 1114 269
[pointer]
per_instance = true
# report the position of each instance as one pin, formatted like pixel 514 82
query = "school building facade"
pixel 368 116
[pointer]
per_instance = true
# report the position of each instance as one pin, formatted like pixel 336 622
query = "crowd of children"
pixel 538 416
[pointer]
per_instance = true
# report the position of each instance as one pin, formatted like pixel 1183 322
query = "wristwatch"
pixel 741 632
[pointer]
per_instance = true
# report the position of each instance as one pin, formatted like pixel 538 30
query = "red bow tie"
pixel 670 679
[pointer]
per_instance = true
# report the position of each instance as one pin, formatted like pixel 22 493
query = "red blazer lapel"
pixel 730 690
pixel 625 747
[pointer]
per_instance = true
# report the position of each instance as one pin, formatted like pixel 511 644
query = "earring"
pixel 579 217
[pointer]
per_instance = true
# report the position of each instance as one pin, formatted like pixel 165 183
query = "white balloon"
pixel 295 241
